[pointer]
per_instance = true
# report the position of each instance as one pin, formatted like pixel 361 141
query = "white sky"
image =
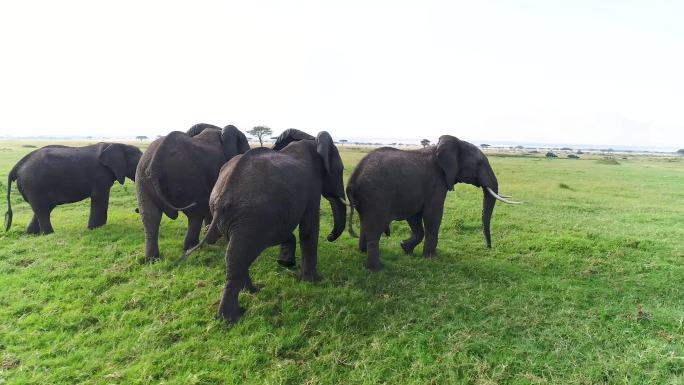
pixel 594 72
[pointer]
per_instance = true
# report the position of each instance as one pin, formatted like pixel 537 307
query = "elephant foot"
pixel 429 254
pixel 95 225
pixel 151 258
pixel 407 247
pixel 374 266
pixel 231 316
pixel 311 276
pixel 287 264
pixel 251 288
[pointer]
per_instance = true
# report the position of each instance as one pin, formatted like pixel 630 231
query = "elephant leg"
pixel 44 220
pixel 99 203
pixel 417 233
pixel 33 227
pixel 362 241
pixel 212 236
pixel 373 249
pixel 432 219
pixel 193 233
pixel 287 252
pixel 308 241
pixel 239 256
pixel 150 215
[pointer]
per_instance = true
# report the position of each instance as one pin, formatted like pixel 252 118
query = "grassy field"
pixel 584 284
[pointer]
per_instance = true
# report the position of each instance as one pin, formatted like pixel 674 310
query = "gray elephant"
pixel 262 196
pixel 390 184
pixel 55 175
pixel 177 173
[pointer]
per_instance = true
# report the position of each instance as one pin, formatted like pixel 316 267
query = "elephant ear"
pixel 325 148
pixel 233 141
pixel 112 156
pixel 288 136
pixel 198 128
pixel 447 152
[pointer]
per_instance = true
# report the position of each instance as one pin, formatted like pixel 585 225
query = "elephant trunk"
pixel 339 209
pixel 488 202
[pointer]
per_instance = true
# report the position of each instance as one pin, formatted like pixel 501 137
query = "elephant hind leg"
pixel 372 232
pixel 193 233
pixel 287 252
pixel 43 215
pixel 150 215
pixel 33 227
pixel 240 254
pixel 417 233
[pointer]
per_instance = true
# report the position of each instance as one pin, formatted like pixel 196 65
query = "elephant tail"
pixel 169 209
pixel 8 215
pixel 213 227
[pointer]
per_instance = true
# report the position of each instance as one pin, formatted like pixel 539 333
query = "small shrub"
pixel 609 161
pixel 573 156
pixel 28 146
pixel 564 186
pixel 551 155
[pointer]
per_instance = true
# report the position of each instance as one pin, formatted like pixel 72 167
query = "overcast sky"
pixel 594 72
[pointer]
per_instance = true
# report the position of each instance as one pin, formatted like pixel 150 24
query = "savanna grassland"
pixel 584 284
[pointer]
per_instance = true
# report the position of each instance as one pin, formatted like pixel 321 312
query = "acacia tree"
pixel 259 132
pixel 680 151
pixel 425 142
pixel 141 137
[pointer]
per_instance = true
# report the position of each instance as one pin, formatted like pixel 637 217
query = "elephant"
pixel 177 173
pixel 259 199
pixel 55 175
pixel 390 184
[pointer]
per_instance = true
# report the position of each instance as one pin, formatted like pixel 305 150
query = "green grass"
pixel 583 285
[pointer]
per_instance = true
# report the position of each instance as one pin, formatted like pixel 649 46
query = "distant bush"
pixel 609 161
pixel 28 146
pixel 564 186
pixel 551 155
pixel 680 151
pixel 566 149
pixel 573 156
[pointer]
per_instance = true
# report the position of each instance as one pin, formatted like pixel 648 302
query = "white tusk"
pixel 502 199
pixel 504 196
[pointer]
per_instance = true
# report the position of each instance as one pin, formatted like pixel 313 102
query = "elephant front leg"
pixel 308 241
pixel 432 222
pixel 99 203
pixel 417 233
pixel 287 252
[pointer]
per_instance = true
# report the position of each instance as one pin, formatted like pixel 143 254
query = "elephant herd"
pixel 256 198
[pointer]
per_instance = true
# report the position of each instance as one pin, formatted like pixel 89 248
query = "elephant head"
pixel 120 159
pixel 233 142
pixel 199 127
pixel 332 168
pixel 288 136
pixel 463 162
